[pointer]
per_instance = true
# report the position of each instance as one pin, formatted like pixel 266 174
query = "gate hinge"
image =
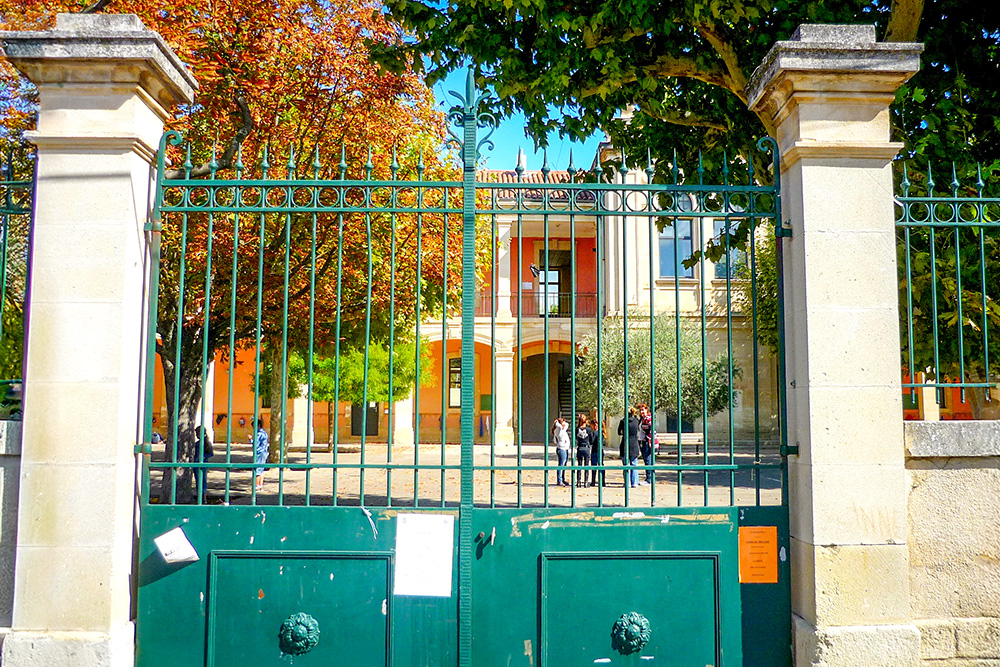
pixel 784 231
pixel 789 450
pixel 143 448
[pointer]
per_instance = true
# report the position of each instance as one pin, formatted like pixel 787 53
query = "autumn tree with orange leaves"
pixel 292 78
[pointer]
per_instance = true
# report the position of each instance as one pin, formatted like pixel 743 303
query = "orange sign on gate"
pixel 758 554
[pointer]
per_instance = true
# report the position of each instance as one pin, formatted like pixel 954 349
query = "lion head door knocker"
pixel 298 634
pixel 630 633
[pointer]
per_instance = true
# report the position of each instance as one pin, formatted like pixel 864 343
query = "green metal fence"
pixel 331 281
pixel 949 258
pixel 17 179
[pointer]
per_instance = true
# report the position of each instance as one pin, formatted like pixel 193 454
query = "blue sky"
pixel 510 136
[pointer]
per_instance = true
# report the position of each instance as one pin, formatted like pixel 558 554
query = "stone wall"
pixel 10 469
pixel 954 540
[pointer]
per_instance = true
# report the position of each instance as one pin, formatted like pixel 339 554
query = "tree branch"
pixel 904 20
pixel 735 79
pixel 96 7
pixel 664 67
pixel 685 118
pixel 226 160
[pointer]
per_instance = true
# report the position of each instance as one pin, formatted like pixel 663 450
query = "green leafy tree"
pixel 609 369
pixel 759 298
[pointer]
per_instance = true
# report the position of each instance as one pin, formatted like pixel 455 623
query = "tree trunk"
pixel 276 449
pixel 181 420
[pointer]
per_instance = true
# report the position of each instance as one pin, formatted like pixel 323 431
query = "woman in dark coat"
pixel 629 430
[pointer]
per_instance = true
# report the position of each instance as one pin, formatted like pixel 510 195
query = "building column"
pixel 503 402
pixel 502 278
pixel 402 416
pixel 105 86
pixel 827 92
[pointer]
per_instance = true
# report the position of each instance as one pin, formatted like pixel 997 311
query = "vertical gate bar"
pixel 337 327
pixel 544 284
pixel 756 346
pixel 152 311
pixel 518 202
pixel 729 328
pixel 958 283
pixel 314 197
pixel 469 153
pixel 391 430
pixel 650 223
pixel 182 280
pixel 264 167
pixel 600 201
pixel 8 174
pixel 416 360
pixel 494 247
pixel 577 472
pixel 677 337
pixel 623 260
pixel 980 217
pixel 445 363
pixel 283 449
pixel 909 284
pixel 704 287
pixel 199 471
pixel 932 218
pixel 237 199
pixel 368 327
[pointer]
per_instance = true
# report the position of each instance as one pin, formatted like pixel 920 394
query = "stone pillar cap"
pixel 849 50
pixel 101 48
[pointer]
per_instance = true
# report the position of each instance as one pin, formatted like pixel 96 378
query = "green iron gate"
pixel 448 539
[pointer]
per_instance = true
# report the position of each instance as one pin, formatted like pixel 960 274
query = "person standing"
pixel 598 438
pixel 560 438
pixel 646 441
pixel 260 444
pixel 628 450
pixel 584 440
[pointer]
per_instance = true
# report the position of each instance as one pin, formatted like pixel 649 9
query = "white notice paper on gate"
pixel 425 545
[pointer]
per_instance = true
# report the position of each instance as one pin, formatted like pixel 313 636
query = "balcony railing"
pixel 536 304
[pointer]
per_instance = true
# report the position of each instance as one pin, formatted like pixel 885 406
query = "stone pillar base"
pixel 69 649
pixel 855 645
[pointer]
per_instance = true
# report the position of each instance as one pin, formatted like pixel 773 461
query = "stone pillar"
pixel 827 92
pixel 503 401
pixel 105 86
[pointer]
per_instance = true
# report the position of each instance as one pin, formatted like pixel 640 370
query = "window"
pixel 676 245
pixel 736 261
pixel 455 383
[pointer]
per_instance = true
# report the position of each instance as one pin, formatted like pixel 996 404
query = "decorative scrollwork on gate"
pixel 630 633
pixel 298 634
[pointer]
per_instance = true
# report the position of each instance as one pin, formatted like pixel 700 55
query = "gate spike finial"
pixel 649 165
pixel 519 166
pixel 598 170
pixel 420 165
pixel 571 169
pixel 623 169
pixel 239 161
pixel 291 160
pixel 701 169
pixel 979 179
pixel 317 165
pixel 188 166
pixel 955 185
pixel 470 89
pixel 675 169
pixel 368 164
pixel 725 166
pixel 930 180
pixel 906 181
pixel 265 164
pixel 545 164
pixel 394 167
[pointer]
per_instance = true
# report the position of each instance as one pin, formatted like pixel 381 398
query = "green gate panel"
pixel 209 612
pixel 347 597
pixel 549 587
pixel 767 608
